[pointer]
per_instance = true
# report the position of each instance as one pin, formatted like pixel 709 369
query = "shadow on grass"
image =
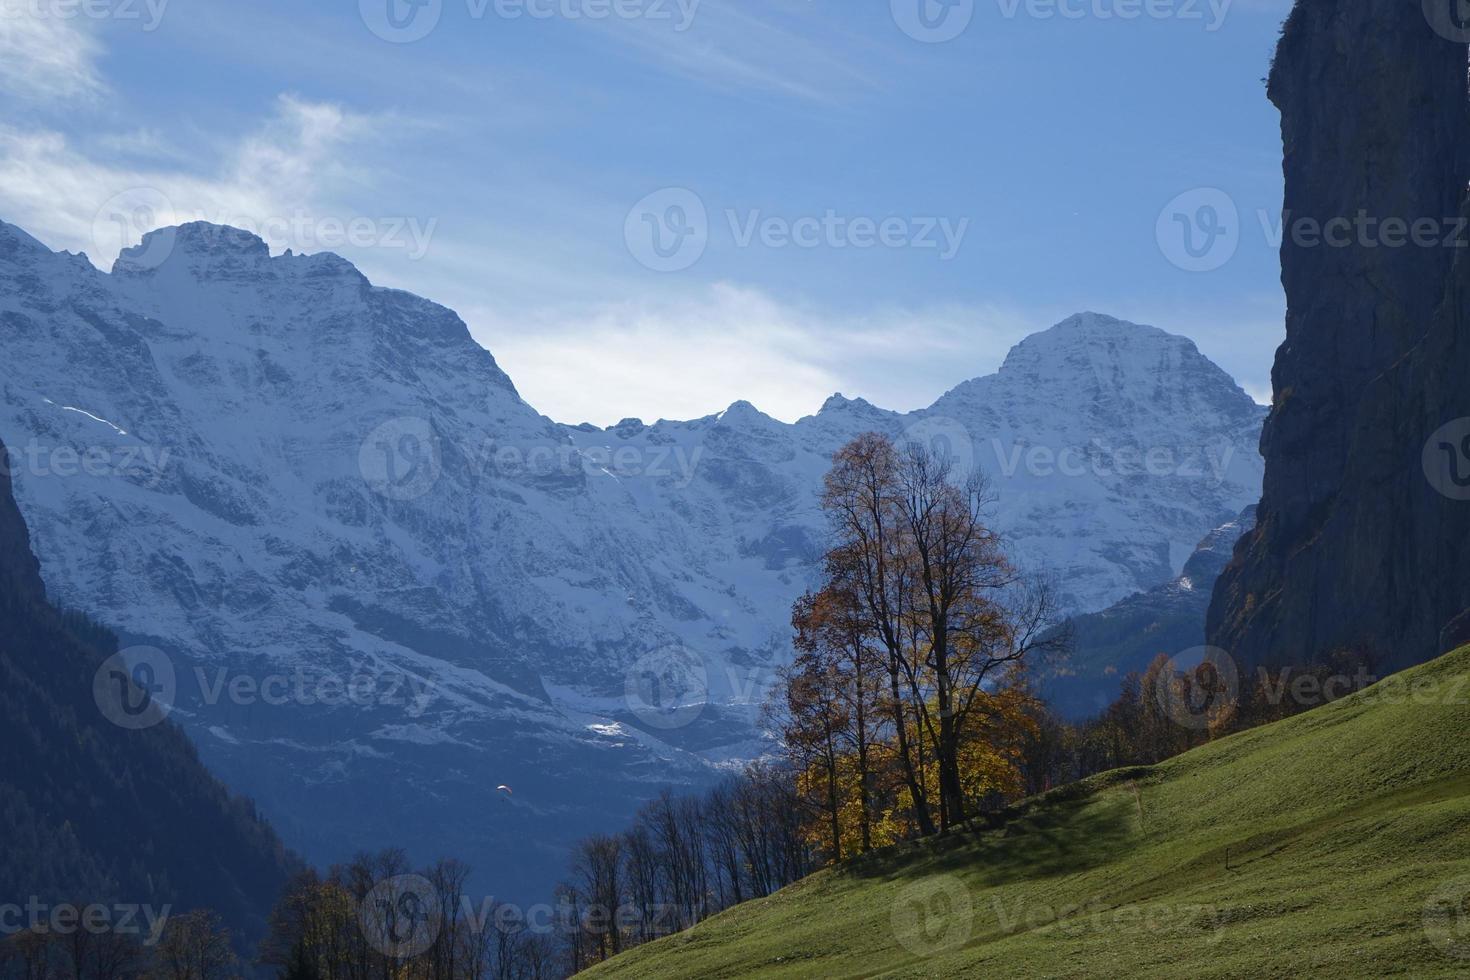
pixel 1065 831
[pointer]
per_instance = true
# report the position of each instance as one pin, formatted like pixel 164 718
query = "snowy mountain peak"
pixel 1090 320
pixel 1109 370
pixel 1101 338
pixel 743 412
pixel 202 251
pixel 13 242
pixel 310 473
pixel 628 428
pixel 840 403
pixel 203 247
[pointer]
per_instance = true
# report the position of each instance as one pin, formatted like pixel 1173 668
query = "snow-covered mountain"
pixel 385 585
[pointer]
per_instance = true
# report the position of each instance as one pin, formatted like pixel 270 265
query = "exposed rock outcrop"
pixel 1362 535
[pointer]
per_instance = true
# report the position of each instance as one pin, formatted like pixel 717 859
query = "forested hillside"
pixel 92 812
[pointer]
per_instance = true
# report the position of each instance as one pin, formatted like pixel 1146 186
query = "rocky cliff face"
pixel 1362 533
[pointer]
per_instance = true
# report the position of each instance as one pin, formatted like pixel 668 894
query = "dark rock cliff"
pixel 91 812
pixel 1363 540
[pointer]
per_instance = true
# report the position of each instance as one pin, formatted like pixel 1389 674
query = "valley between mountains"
pixel 374 584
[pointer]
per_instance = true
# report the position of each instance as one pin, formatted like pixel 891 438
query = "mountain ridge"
pixel 306 472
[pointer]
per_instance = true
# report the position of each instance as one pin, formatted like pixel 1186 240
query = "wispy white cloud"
pixel 78 202
pixel 46 59
pixel 740 45
pixel 693 356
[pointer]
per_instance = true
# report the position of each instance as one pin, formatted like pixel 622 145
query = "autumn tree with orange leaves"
pixel 904 704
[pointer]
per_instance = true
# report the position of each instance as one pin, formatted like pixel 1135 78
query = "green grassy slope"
pixel 1336 843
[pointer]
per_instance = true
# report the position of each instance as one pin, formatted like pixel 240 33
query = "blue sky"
pixel 864 207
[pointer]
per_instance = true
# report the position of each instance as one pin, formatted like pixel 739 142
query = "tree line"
pixel 684 859
pixel 67 946
pixel 906 712
pixel 378 917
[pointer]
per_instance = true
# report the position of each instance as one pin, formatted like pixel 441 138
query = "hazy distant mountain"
pixel 308 489
pixel 1125 637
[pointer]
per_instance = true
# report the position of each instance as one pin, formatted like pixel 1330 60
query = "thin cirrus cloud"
pixel 266 181
pixel 740 45
pixel 46 60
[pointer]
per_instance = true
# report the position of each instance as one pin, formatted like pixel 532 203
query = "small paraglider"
pixel 502 788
